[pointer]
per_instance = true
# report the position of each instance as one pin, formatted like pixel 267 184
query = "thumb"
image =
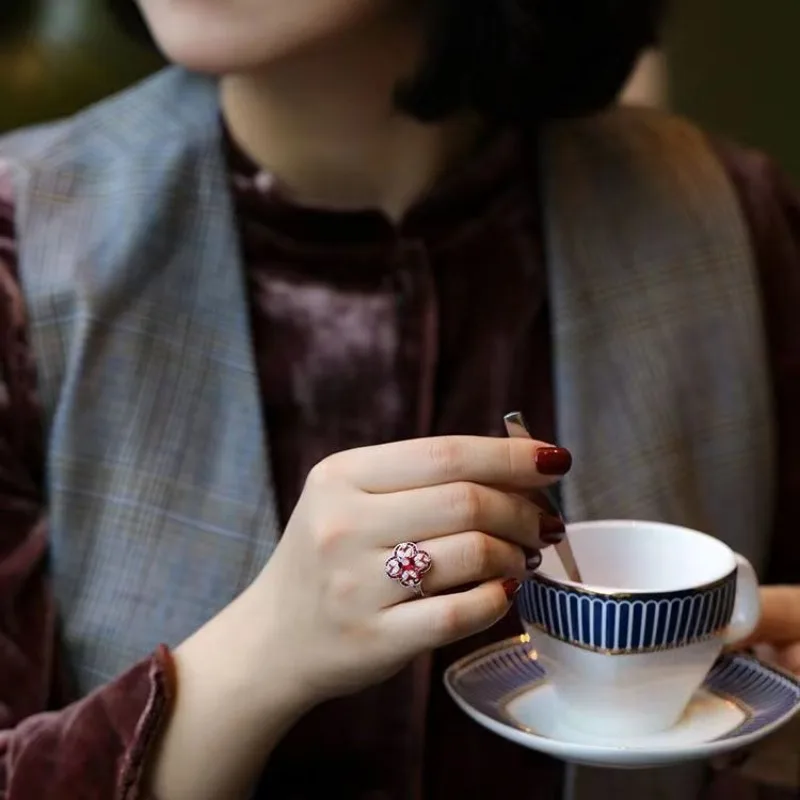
pixel 780 616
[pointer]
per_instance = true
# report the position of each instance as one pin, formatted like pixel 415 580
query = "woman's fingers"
pixel 432 622
pixel 417 463
pixel 456 561
pixel 788 657
pixel 780 616
pixel 359 505
pixel 432 512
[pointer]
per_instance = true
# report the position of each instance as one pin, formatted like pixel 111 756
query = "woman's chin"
pixel 219 38
pixel 216 54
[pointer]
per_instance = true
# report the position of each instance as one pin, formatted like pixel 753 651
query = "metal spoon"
pixel 516 428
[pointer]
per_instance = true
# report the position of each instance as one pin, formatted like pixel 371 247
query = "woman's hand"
pixel 324 619
pixel 777 637
pixel 337 620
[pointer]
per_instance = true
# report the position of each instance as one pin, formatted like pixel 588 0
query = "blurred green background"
pixel 732 65
pixel 59 55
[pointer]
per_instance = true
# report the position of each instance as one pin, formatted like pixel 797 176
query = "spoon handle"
pixel 516 428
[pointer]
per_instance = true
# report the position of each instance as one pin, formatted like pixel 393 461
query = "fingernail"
pixel 533 562
pixel 551 529
pixel 553 461
pixel 511 587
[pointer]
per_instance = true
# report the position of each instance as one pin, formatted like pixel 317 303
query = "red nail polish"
pixel 551 529
pixel 553 460
pixel 511 587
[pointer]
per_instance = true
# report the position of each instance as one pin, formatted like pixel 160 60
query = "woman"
pixel 374 161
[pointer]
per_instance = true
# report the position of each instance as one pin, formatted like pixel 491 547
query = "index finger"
pixel 417 463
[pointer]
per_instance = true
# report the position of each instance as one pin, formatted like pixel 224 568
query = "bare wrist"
pixel 234 703
pixel 241 651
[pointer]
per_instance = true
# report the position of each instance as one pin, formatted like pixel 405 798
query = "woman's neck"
pixel 324 123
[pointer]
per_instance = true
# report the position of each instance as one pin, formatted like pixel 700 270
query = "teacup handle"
pixel 747 609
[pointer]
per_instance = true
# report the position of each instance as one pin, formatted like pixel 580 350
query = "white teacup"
pixel 627 649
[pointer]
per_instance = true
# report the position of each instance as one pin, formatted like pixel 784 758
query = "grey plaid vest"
pixel 158 480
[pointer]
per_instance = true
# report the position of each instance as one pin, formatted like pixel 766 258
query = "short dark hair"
pixel 517 61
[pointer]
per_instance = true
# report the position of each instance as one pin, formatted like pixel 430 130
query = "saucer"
pixel 504 688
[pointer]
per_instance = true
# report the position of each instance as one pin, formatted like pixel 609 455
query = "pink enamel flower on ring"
pixel 408 564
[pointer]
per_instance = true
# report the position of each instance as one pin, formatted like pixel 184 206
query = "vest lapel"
pixel 662 387
pixel 158 473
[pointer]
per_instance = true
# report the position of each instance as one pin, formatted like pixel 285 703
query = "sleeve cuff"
pixel 97 748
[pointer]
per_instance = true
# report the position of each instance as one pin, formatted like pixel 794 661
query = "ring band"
pixel 407 565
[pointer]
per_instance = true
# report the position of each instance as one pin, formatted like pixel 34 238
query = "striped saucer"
pixel 504 688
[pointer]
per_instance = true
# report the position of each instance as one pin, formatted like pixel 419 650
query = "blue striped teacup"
pixel 626 650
